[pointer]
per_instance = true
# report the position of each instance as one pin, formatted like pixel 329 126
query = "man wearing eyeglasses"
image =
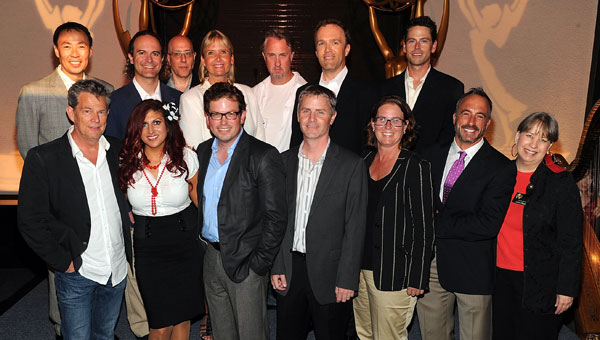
pixel 242 215
pixel 181 58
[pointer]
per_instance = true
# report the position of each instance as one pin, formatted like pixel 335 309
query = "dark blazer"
pixel 403 225
pixel 251 210
pixel 354 103
pixel 336 224
pixel 552 239
pixel 122 102
pixel 434 107
pixel 467 226
pixel 53 212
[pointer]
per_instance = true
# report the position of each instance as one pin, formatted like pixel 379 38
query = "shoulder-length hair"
pixel 132 157
pixel 209 38
pixel 410 135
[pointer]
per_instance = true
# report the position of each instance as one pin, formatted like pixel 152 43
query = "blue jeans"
pixel 89 310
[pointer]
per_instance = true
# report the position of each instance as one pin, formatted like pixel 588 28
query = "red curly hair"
pixel 131 162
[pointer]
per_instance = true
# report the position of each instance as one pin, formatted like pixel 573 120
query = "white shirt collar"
pixel 75 150
pixel 145 95
pixel 410 80
pixel 336 83
pixel 65 79
pixel 470 151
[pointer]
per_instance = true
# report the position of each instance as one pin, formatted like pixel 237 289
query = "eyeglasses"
pixel 382 121
pixel 178 54
pixel 228 115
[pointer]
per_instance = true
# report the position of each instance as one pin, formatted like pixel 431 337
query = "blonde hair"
pixel 209 38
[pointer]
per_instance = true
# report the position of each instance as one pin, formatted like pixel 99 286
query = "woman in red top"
pixel 538 261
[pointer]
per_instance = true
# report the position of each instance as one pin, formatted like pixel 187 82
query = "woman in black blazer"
pixel 538 264
pixel 399 238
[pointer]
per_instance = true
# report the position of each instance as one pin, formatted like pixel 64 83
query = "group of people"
pixel 357 204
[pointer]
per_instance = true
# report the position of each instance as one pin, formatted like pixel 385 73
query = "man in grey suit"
pixel 317 269
pixel 41 111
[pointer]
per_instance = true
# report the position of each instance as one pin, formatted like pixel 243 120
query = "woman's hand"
pixel 563 303
pixel 414 291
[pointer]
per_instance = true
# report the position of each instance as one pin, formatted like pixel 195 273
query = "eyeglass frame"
pixel 402 121
pixel 178 54
pixel 211 115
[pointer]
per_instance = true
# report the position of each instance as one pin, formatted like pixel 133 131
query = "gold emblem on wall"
pixel 147 18
pixel 54 16
pixel 493 23
pixel 395 64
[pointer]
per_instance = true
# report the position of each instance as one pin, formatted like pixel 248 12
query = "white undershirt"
pixel 173 192
pixel 65 79
pixel 105 253
pixel 453 155
pixel 278 120
pixel 412 93
pixel 145 95
pixel 336 83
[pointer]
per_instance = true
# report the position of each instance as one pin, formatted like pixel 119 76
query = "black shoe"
pixel 145 337
pixel 59 337
pixel 116 337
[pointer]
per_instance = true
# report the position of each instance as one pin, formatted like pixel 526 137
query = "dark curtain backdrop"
pixel 245 26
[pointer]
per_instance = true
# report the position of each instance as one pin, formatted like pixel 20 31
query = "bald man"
pixel 180 58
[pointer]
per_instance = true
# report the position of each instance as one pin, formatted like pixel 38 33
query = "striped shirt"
pixel 308 177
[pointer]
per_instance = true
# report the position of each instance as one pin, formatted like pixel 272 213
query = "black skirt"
pixel 168 266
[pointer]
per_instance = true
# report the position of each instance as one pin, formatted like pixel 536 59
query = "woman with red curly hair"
pixel 159 174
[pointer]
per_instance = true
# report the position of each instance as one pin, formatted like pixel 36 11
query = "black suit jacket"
pixel 467 225
pixel 434 107
pixel 354 104
pixel 336 224
pixel 122 102
pixel 53 212
pixel 251 209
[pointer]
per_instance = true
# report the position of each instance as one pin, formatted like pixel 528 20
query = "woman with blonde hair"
pixel 216 65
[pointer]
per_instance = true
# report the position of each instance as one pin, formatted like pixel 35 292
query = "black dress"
pixel 168 265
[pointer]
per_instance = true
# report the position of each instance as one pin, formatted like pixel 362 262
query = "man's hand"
pixel 279 282
pixel 343 295
pixel 71 268
pixel 414 291
pixel 563 303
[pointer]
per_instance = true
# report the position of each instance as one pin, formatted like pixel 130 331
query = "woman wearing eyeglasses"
pixel 399 238
pixel 216 65
pixel 159 174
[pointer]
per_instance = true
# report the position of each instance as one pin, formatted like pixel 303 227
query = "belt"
pixel 297 253
pixel 216 245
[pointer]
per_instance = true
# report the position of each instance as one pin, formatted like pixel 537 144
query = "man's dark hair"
pixel 336 22
pixel 129 68
pixel 478 91
pixel 90 86
pixel 223 90
pixel 424 21
pixel 318 90
pixel 277 33
pixel 71 26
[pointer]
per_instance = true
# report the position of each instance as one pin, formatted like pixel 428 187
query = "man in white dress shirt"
pixel 276 93
pixel 74 216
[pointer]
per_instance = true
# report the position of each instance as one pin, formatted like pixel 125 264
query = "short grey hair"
pixel 90 86
pixel 318 90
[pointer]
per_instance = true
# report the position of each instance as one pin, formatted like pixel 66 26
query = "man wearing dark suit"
pixel 143 63
pixel 181 58
pixel 354 96
pixel 41 115
pixel 74 216
pixel 317 269
pixel 243 217
pixel 471 205
pixel 431 94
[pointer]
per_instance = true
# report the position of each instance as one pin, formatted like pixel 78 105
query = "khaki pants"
pixel 436 313
pixel 381 314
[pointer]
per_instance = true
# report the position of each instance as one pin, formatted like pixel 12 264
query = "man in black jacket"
pixel 74 216
pixel 430 93
pixel 242 214
pixel 473 183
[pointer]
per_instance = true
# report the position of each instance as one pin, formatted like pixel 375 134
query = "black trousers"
pixel 299 311
pixel 510 320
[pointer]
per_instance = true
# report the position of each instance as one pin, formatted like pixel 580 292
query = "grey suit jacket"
pixel 41 112
pixel 336 224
